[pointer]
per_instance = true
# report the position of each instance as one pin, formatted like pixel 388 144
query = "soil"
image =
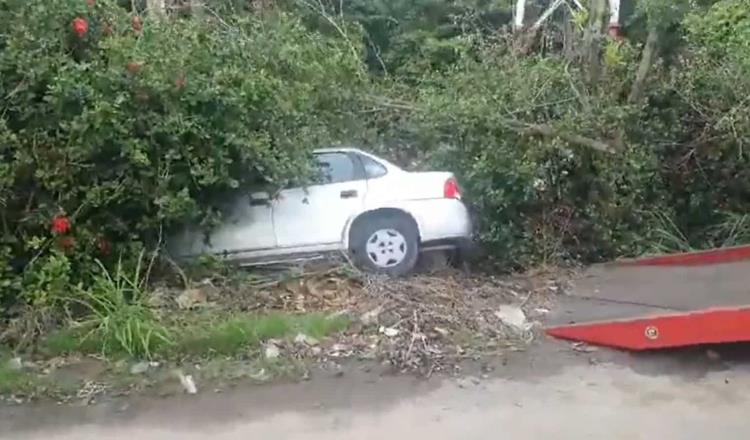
pixel 551 389
pixel 529 389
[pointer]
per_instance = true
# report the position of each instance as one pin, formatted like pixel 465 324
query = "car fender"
pixel 397 206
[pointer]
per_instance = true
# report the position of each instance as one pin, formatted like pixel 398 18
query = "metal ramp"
pixel 660 302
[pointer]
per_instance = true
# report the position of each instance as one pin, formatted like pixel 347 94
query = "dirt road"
pixel 549 392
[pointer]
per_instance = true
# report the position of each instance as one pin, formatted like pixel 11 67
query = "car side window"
pixel 335 168
pixel 373 169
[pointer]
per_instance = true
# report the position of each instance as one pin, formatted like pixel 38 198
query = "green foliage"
pixel 238 334
pixel 120 322
pixel 725 29
pixel 534 197
pixel 408 37
pixel 129 132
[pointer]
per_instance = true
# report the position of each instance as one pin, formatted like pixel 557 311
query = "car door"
pixel 317 215
pixel 246 226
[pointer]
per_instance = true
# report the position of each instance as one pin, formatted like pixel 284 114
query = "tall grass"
pixel 733 231
pixel 120 322
pixel 667 237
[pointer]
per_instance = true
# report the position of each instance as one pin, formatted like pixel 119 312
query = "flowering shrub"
pixel 131 124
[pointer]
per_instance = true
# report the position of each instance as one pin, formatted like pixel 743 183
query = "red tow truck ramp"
pixel 660 302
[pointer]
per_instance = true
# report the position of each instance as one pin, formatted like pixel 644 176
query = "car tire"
pixel 385 244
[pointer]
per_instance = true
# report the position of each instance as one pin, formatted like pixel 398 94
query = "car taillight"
pixel 451 189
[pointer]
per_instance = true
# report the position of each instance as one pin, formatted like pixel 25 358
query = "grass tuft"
pixel 245 332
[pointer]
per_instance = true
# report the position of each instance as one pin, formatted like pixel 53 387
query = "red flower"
pixel 60 225
pixel 91 3
pixel 80 26
pixel 137 24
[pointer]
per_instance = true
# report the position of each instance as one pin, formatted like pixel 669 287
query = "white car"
pixel 382 215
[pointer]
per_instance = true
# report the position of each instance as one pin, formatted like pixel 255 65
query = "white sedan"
pixel 382 215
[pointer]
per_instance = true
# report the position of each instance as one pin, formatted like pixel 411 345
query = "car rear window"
pixel 373 169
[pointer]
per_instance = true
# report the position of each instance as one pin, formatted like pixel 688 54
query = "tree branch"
pixel 522 128
pixel 545 130
pixel 647 60
pixel 593 37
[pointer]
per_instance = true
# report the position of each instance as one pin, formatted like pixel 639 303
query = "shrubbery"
pixel 115 127
pixel 678 181
pixel 123 125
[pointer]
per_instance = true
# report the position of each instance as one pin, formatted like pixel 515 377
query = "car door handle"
pixel 259 199
pixel 349 194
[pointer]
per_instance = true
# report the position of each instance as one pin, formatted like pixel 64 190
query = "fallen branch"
pixel 520 127
pixel 549 131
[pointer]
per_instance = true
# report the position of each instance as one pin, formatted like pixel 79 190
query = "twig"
pixel 178 269
pixel 154 254
pixel 333 23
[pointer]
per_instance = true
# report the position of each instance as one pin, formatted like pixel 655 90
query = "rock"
pixel 191 298
pixel 31 366
pixel 187 382
pixel 441 331
pixel 272 351
pixel 260 375
pixel 584 348
pixel 513 317
pixel 338 370
pixel 389 331
pixel 371 317
pixel 302 338
pixel 140 368
pixel 15 364
pixel 466 382
pixel 339 351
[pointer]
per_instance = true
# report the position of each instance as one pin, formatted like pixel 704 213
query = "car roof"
pixel 390 166
pixel 338 150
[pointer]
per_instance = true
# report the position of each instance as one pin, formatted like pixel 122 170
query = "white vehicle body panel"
pixel 318 218
pixel 247 227
pixel 316 215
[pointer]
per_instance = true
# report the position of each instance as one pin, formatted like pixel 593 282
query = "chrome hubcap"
pixel 386 248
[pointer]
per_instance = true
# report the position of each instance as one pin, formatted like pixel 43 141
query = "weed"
pixel 733 231
pixel 243 332
pixel 15 381
pixel 320 326
pixel 667 236
pixel 120 321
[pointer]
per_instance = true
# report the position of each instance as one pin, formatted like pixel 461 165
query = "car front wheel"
pixel 386 245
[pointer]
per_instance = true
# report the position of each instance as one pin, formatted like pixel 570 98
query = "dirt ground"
pixel 549 391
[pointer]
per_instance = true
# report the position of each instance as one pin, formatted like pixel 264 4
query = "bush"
pixel 124 126
pixel 536 198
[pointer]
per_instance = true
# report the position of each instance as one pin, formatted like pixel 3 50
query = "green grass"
pixel 199 334
pixel 239 333
pixel 15 381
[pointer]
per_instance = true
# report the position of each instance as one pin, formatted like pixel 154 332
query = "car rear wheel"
pixel 386 245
